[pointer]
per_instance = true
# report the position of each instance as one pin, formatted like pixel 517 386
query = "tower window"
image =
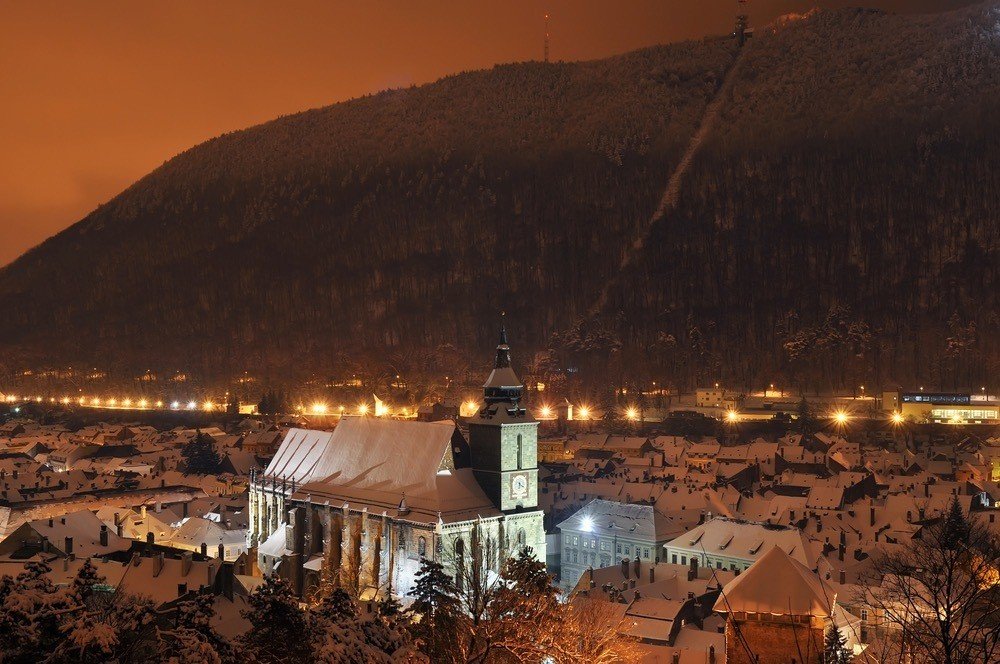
pixel 519 452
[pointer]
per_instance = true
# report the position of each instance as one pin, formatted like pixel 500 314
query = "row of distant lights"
pixel 138 404
pixel 840 417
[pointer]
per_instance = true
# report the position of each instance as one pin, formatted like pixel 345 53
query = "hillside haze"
pixel 838 225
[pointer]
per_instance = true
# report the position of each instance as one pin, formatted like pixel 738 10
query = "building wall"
pixel 584 549
pixel 372 552
pixel 683 556
pixel 773 642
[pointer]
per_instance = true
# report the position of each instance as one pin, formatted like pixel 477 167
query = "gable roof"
pixel 366 452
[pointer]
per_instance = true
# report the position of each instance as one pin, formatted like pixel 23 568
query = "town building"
pixel 949 407
pixel 605 532
pixel 776 608
pixel 735 544
pixel 374 497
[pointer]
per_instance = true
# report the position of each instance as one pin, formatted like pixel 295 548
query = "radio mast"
pixel 546 37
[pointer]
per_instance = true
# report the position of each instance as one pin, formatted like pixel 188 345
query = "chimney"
pixel 625 567
pixel 182 589
pixel 693 570
pixel 675 658
pixel 204 549
pixel 909 516
pixel 652 573
pixel 590 576
pixel 711 654
pixel 631 583
pixel 69 546
pixel 186 559
pixel 158 565
pixel 184 509
pixel 871 521
pixel 159 506
pixel 222 551
pixel 104 534
pixel 142 512
pixel 51 522
pixel 843 577
pixel 150 538
pixel 791 515
pixel 66 564
pixel 62 521
pixel 635 566
pixel 120 527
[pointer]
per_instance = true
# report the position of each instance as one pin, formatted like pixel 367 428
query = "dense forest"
pixel 839 226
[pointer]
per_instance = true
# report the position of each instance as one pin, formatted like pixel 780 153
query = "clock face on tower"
pixel 519 486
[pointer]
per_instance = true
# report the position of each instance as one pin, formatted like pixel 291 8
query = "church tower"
pixel 504 439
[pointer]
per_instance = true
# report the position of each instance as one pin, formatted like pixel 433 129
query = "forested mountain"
pixel 839 224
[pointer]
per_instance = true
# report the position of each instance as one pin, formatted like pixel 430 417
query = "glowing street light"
pixel 142 403
pixel 208 405
pixel 363 409
pixel 546 411
pixel 175 405
pixel 841 417
pixel 897 418
pixel 584 413
pixel 632 413
pixel 191 405
pixel 732 416
pixel 318 408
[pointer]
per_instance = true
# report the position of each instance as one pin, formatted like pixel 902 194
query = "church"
pixel 372 498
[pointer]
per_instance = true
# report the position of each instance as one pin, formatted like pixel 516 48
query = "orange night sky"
pixel 95 94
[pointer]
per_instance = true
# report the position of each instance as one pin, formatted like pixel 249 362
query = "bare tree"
pixel 940 591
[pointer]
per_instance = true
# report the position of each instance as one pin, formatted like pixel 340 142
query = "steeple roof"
pixel 502 384
pixel 777 584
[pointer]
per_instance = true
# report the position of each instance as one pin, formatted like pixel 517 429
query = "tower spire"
pixel 503 385
pixel 503 348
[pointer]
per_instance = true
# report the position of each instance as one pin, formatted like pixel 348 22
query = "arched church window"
pixel 459 549
pixel 422 546
pixel 521 539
